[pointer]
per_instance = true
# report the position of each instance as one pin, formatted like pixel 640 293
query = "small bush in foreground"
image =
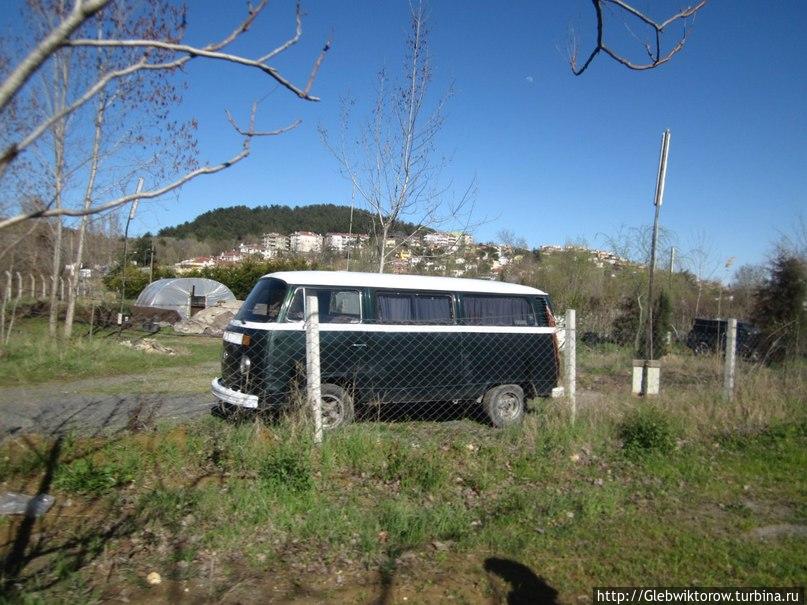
pixel 287 467
pixel 646 430
pixel 84 476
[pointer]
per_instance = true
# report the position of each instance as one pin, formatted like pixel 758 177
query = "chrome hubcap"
pixel 331 411
pixel 508 405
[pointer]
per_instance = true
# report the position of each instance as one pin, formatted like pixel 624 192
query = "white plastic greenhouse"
pixel 185 295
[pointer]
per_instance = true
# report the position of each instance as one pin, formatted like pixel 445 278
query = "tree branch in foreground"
pixel 59 37
pixel 653 50
pixel 248 135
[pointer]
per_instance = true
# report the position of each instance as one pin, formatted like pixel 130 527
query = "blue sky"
pixel 555 157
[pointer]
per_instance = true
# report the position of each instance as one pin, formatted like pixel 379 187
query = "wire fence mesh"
pixel 382 358
pixel 414 358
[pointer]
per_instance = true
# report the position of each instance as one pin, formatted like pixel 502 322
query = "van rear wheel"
pixel 337 406
pixel 504 405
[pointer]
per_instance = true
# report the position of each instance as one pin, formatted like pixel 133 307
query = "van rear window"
pixel 264 302
pixel 497 311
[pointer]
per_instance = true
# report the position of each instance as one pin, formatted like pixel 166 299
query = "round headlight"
pixel 245 365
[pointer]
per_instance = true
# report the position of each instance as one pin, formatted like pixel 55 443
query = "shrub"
pixel 84 476
pixel 780 311
pixel 646 430
pixel 288 468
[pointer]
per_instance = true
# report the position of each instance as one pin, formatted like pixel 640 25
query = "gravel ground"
pixel 104 404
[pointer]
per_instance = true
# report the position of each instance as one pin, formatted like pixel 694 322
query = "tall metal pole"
pixel 659 199
pixel 132 212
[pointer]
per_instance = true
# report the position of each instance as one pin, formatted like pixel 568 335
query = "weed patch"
pixel 647 430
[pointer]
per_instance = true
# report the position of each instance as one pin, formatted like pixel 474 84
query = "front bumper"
pixel 232 397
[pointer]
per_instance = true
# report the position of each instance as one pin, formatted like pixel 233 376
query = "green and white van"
pixel 388 338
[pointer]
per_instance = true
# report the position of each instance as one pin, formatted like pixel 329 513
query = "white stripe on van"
pixel 333 327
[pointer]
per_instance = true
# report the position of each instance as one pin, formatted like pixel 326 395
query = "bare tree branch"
pixel 248 135
pixel 82 10
pixel 192 52
pixel 211 51
pixel 654 51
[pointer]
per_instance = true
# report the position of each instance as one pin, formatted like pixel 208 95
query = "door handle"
pixel 359 344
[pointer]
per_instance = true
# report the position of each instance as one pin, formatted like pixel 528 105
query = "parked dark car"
pixel 709 336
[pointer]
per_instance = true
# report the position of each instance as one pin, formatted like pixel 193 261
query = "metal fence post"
pixel 731 360
pixel 312 363
pixel 33 286
pixel 571 361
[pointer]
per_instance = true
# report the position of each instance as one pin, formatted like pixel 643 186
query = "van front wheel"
pixel 504 405
pixel 337 406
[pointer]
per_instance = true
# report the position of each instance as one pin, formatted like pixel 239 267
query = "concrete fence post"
pixel 33 285
pixel 571 361
pixel 19 285
pixel 9 280
pixel 313 387
pixel 44 287
pixel 61 288
pixel 731 360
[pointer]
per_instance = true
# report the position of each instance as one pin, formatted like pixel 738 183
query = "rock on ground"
pixel 211 321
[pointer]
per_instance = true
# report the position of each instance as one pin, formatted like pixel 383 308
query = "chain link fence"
pixel 412 361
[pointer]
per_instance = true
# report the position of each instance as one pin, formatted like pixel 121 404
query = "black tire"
pixel 337 407
pixel 504 405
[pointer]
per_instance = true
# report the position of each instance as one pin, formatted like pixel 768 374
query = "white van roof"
pixel 394 281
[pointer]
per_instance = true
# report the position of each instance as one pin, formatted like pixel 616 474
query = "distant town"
pixel 449 253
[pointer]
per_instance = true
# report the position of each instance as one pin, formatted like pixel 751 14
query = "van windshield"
pixel 264 302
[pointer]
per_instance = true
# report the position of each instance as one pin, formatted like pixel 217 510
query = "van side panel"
pixel 413 366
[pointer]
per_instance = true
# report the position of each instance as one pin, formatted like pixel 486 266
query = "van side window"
pixel 497 311
pixel 335 306
pixel 429 309
pixel 432 309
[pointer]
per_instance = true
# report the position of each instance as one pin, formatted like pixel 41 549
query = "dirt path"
pixel 99 404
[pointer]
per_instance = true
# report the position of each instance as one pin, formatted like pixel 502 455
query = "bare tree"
pixel 390 162
pixel 653 48
pixel 509 238
pixel 702 263
pixel 153 55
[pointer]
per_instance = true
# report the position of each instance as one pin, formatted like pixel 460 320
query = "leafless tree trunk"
pixel 61 80
pixel 72 290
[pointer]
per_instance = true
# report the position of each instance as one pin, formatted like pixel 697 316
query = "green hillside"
pixel 242 222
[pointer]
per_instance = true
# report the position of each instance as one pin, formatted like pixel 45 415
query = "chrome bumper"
pixel 233 397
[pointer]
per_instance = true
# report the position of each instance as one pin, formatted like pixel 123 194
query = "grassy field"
pixel 33 358
pixel 687 490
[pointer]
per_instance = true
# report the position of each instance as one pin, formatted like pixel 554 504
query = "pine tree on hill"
pixel 243 223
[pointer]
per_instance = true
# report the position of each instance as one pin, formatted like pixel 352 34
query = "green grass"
pixel 573 504
pixel 32 357
pixel 668 493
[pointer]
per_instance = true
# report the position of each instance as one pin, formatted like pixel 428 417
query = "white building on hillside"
pixel 341 241
pixel 276 242
pixel 254 250
pixel 303 242
pixel 451 241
